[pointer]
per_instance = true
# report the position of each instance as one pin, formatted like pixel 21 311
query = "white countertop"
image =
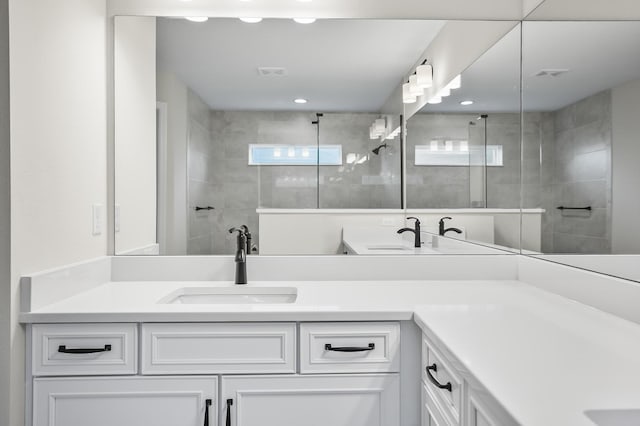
pixel 545 358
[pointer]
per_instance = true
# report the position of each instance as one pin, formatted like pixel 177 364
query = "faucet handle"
pixel 416 219
pixel 240 230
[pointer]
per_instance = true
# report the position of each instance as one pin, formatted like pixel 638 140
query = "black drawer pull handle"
pixel 433 380
pixel 328 347
pixel 229 404
pixel 63 349
pixel 208 403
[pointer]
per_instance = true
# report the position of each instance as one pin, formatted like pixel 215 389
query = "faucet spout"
pixel 416 231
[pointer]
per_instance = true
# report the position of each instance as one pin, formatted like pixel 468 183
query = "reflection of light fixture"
pixel 305 20
pixel 464 146
pixel 276 152
pixel 456 83
pixel 434 145
pixel 407 97
pixel 379 126
pixel 424 74
pixel 465 103
pixel 448 145
pixel 251 20
pixel 305 152
pixel 444 92
pixel 414 89
pixel 300 101
pixel 435 100
pixel 196 18
pixel 351 158
pixel 291 152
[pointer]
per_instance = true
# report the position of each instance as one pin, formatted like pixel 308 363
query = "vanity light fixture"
pixel 251 20
pixel 465 103
pixel 196 18
pixel 300 101
pixel 407 97
pixel 414 88
pixel 305 20
pixel 435 100
pixel 424 74
pixel 434 145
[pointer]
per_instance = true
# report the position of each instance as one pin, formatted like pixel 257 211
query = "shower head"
pixel 376 151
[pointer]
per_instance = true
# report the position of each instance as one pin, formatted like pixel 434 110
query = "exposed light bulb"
pixel 300 101
pixel 251 20
pixel 305 20
pixel 291 152
pixel 448 145
pixel 276 152
pixel 465 103
pixel 196 18
pixel 434 146
pixel 464 146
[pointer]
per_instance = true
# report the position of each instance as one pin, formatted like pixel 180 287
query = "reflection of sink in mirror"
pixel 614 417
pixel 387 247
pixel 231 295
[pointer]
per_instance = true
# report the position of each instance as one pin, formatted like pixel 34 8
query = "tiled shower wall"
pixel 223 179
pixel 576 172
pixel 451 186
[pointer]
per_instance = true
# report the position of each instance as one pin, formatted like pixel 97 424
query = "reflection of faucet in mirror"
pixel 241 255
pixel 376 151
pixel 442 230
pixel 416 231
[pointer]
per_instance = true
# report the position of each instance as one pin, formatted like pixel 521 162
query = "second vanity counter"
pixel 545 358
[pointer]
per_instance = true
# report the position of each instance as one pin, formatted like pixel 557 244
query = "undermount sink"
pixel 388 247
pixel 231 295
pixel 629 417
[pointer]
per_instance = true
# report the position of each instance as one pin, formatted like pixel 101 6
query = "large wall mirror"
pixel 294 130
pixel 581 102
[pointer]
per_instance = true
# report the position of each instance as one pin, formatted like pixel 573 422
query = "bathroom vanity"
pixel 122 343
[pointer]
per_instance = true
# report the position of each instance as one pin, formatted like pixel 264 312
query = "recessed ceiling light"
pixel 251 20
pixel 305 20
pixel 465 103
pixel 300 101
pixel 196 18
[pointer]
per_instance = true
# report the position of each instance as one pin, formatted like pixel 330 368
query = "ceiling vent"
pixel 551 72
pixel 272 72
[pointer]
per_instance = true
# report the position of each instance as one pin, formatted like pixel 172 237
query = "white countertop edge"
pixel 146 317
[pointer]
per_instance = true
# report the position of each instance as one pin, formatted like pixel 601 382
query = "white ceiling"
pixel 338 65
pixel 599 55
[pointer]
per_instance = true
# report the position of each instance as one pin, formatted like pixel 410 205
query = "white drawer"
pixel 432 413
pixel 224 348
pixel 83 349
pixel 349 347
pixel 443 381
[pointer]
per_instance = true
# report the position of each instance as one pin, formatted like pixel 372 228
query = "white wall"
pixel 599 10
pixel 58 146
pixel 625 152
pixel 5 219
pixel 174 93
pixel 135 131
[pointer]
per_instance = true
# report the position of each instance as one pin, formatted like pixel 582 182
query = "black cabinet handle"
pixel 198 208
pixel 328 347
pixel 208 403
pixel 63 349
pixel 433 380
pixel 229 404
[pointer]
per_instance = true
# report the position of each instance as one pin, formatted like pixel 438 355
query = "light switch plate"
pixel 97 219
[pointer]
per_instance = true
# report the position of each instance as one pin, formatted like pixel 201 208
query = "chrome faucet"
pixel 241 255
pixel 442 230
pixel 416 230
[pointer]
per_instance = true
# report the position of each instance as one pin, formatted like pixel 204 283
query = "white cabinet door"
pixel 125 401
pixel 336 400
